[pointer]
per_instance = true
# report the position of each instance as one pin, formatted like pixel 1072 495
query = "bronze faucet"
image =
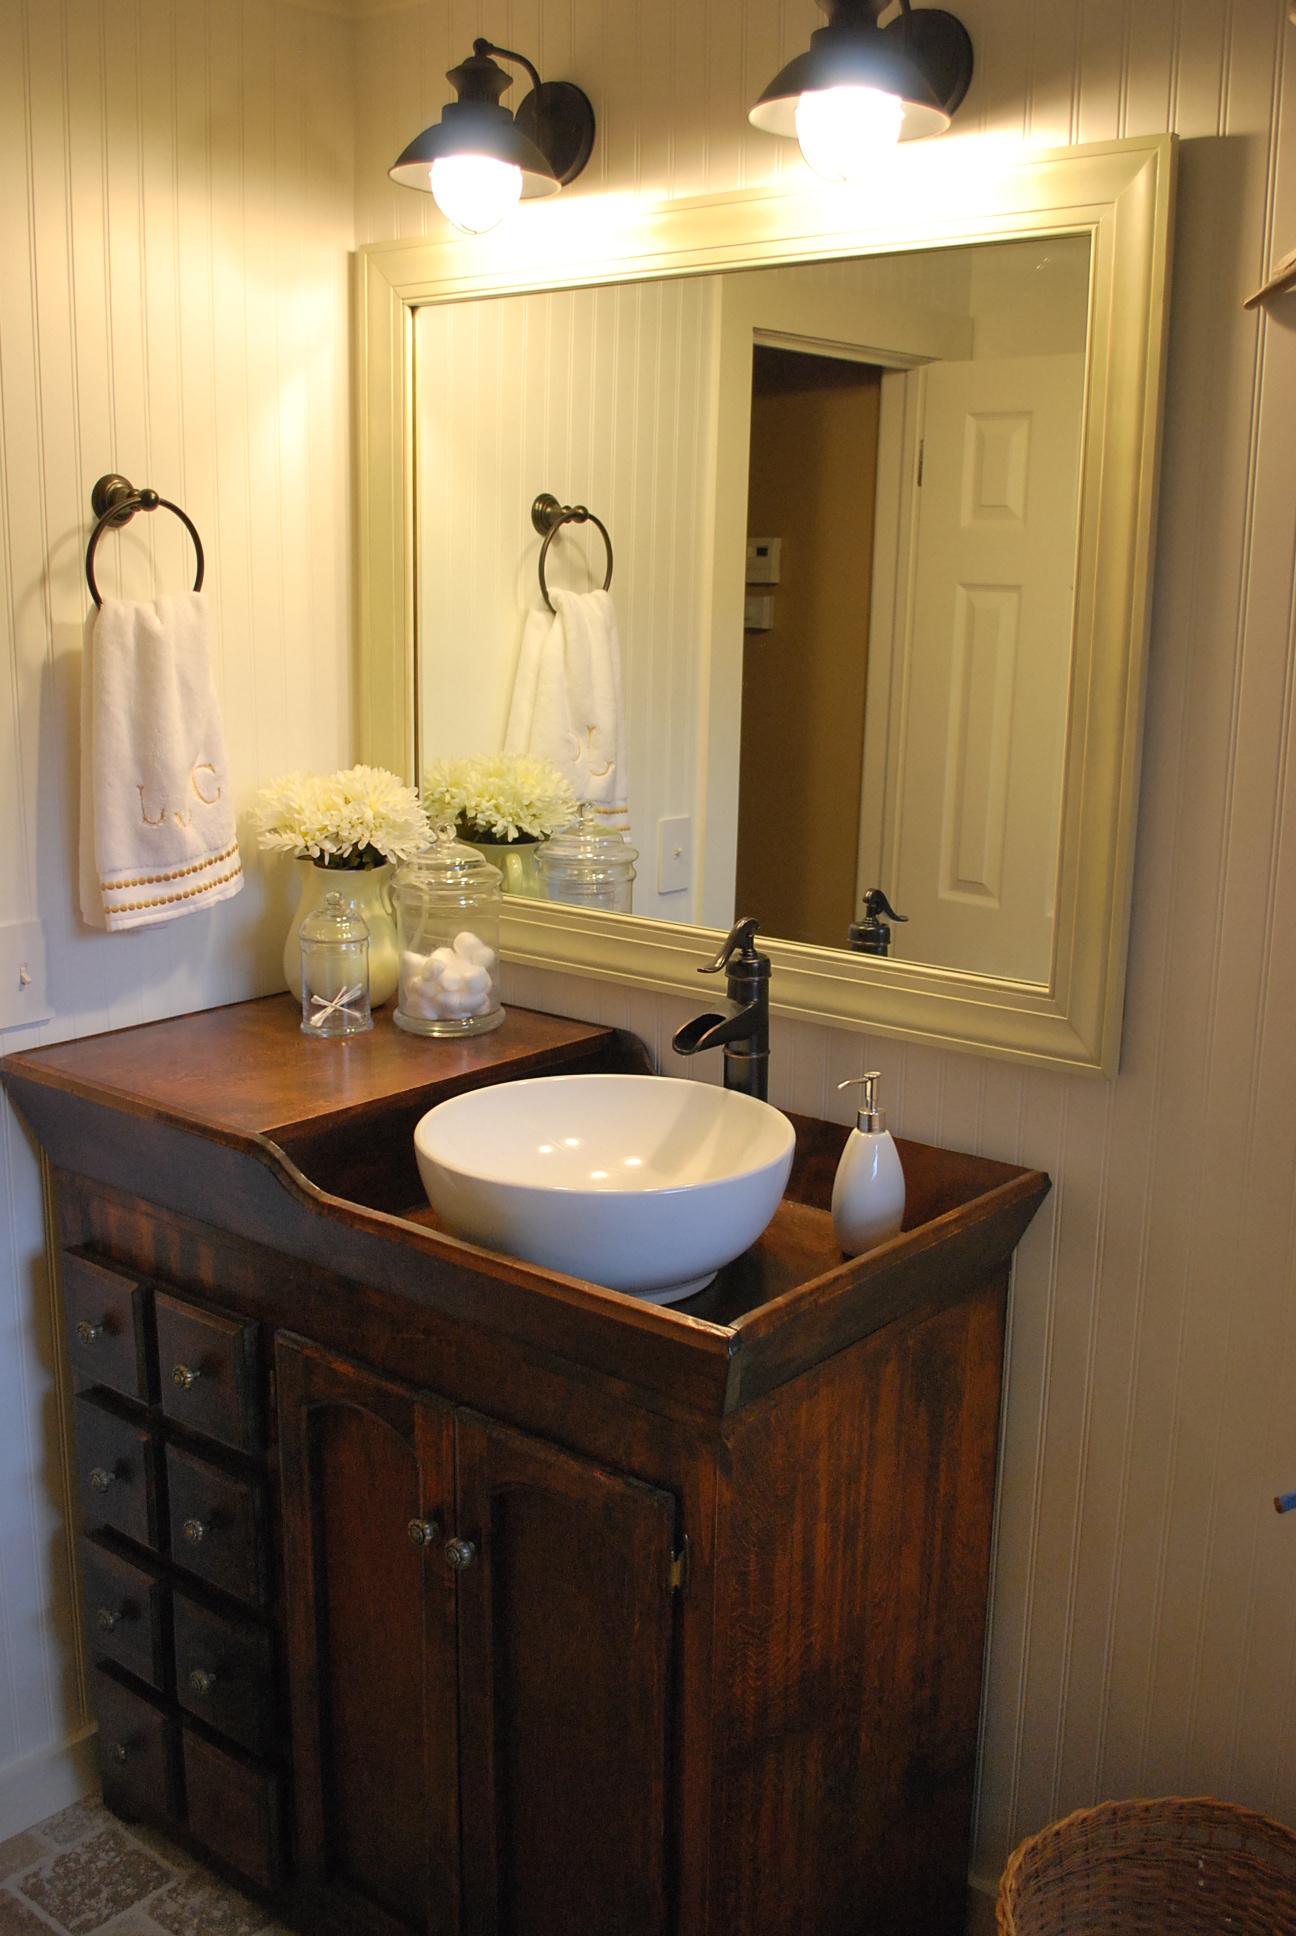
pixel 743 1034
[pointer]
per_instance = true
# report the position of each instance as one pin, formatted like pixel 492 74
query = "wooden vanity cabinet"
pixel 433 1594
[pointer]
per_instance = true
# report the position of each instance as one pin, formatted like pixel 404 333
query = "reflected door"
pixel 986 666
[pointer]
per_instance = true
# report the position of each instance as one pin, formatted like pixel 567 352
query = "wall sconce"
pixel 478 160
pixel 861 87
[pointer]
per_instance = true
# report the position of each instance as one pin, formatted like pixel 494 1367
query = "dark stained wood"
pixel 138 1750
pixel 117 1461
pixel 210 1367
pixel 371 1639
pixel 108 1330
pixel 126 1605
pixel 234 1809
pixel 218 1525
pixel 565 1618
pixel 224 1674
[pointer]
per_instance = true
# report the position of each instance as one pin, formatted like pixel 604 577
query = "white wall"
pixel 1144 1612
pixel 173 304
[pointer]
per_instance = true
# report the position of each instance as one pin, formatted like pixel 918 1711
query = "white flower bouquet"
pixel 358 818
pixel 499 798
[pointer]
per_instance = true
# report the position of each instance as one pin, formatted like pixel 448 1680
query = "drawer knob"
pixel 195 1531
pixel 424 1532
pixel 459 1554
pixel 119 1751
pixel 201 1681
pixel 106 1619
pixel 100 1478
pixel 88 1332
pixel 185 1375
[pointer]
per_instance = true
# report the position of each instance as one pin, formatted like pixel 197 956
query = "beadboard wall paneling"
pixel 173 304
pixel 1143 1620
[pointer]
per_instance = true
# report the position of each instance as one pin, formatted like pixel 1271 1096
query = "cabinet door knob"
pixel 201 1681
pixel 100 1478
pixel 88 1332
pixel 459 1554
pixel 185 1376
pixel 106 1619
pixel 424 1532
pixel 195 1531
pixel 119 1751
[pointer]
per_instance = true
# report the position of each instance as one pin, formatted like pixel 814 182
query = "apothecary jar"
pixel 448 903
pixel 333 944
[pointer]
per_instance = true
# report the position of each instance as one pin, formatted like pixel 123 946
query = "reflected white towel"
pixel 157 822
pixel 567 699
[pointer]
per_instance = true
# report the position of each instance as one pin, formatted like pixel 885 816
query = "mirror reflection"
pixel 835 652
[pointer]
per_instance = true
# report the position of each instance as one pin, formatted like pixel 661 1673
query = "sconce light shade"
pixel 478 160
pixel 860 87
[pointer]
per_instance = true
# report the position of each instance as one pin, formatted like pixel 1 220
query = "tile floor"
pixel 84 1873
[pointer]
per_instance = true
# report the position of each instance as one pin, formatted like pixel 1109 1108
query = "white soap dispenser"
pixel 868 1197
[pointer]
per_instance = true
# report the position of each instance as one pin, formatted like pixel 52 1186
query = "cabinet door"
pixel 565 1621
pixel 367 1470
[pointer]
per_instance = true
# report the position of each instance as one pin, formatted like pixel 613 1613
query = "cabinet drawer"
pixel 125 1612
pixel 210 1372
pixel 234 1809
pixel 108 1328
pixel 117 1456
pixel 138 1751
pixel 218 1525
pixel 225 1674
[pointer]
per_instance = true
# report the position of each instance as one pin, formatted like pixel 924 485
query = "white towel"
pixel 157 821
pixel 567 699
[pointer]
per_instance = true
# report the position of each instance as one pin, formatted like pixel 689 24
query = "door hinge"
pixel 922 445
pixel 679 1567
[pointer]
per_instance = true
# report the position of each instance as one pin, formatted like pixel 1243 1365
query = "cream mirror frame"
pixel 1119 194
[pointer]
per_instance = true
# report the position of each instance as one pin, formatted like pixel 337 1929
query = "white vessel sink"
pixel 646 1184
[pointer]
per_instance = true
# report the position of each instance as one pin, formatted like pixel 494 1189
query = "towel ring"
pixel 549 516
pixel 114 500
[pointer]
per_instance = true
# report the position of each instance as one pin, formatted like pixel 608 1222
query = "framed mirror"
pixel 882 501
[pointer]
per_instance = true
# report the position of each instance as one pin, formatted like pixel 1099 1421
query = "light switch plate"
pixel 763 560
pixel 674 854
pixel 23 999
pixel 758 612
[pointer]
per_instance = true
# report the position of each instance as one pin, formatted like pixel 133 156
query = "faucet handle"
pixel 741 938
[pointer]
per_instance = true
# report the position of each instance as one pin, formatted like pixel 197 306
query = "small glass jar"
pixel 448 903
pixel 589 865
pixel 334 944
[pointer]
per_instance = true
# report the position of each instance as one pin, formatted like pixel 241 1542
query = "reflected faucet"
pixel 872 936
pixel 743 1034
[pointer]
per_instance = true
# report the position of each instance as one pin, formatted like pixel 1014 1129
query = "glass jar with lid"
pixel 588 864
pixel 448 903
pixel 334 942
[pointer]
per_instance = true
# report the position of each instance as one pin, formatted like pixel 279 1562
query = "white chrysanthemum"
pixel 499 796
pixel 357 818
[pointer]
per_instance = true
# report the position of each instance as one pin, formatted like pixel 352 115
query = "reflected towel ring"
pixel 549 516
pixel 114 501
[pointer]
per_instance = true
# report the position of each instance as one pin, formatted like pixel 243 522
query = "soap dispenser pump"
pixel 868 1197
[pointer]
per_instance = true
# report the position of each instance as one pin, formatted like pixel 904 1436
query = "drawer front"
pixel 225 1674
pixel 138 1751
pixel 234 1809
pixel 108 1327
pixel 118 1462
pixel 125 1613
pixel 210 1373
pixel 218 1525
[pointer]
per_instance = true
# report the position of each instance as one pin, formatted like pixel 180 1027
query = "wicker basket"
pixel 1197 1868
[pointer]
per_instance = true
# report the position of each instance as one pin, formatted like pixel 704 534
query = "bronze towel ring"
pixel 114 501
pixel 549 516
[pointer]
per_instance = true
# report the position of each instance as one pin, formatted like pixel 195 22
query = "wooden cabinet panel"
pixel 218 1525
pixel 137 1750
pixel 117 1458
pixel 108 1328
pixel 125 1612
pixel 371 1634
pixel 209 1364
pixel 565 1621
pixel 224 1669
pixel 234 1809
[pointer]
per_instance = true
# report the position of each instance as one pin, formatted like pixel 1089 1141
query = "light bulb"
pixel 845 131
pixel 475 192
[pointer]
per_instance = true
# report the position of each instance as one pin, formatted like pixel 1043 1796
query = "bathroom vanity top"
pixel 241 1122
